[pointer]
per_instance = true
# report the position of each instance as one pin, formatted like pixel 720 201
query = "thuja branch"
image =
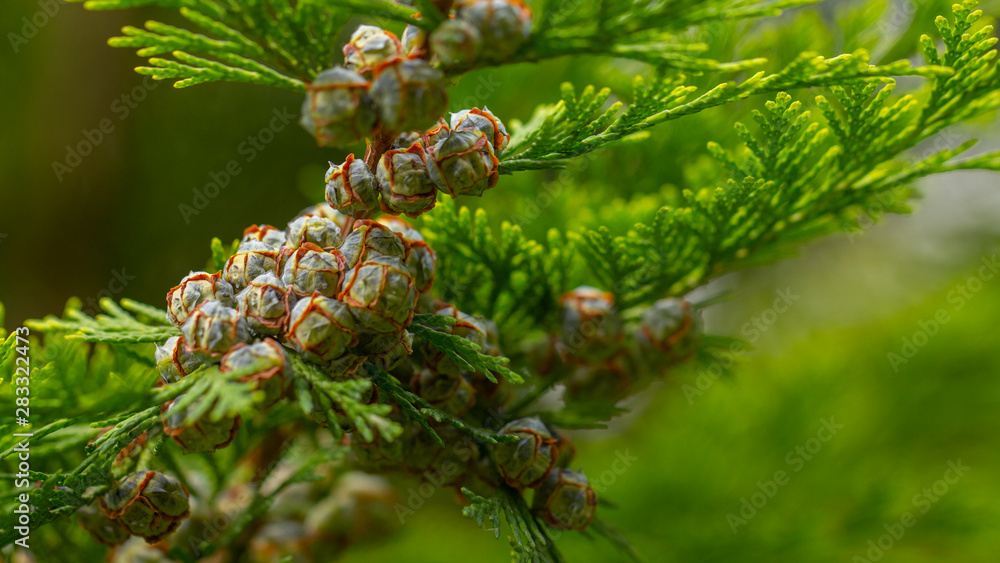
pixel 581 124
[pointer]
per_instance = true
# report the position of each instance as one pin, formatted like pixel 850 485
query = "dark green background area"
pixel 117 215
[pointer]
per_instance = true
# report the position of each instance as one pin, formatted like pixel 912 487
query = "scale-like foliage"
pixel 510 279
pixel 342 400
pixel 468 354
pixel 581 124
pixel 417 409
pixel 285 43
pixel 282 43
pixel 529 539
pixel 117 326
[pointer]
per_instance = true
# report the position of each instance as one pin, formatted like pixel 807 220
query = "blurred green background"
pixel 696 452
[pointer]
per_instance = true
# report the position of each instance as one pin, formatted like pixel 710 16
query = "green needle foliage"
pixel 529 540
pixel 833 138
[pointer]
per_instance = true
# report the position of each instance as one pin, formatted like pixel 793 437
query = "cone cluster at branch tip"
pixel 388 86
pixel 335 290
pixel 598 358
pixel 537 460
pixel 482 31
pixel 148 504
pixel 448 386
pixel 458 158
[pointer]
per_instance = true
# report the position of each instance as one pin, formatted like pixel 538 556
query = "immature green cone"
pixel 421 261
pixel 174 360
pixel 214 328
pixel 370 239
pixel 449 393
pixel 566 500
pixel 321 328
pixel 253 259
pixel 591 328
pixel 324 210
pixel 409 94
pixel 567 450
pixel 463 163
pixel 311 270
pixel 404 229
pixel 204 435
pixel 404 183
pixel 387 351
pixel 267 360
pixel 466 326
pixel 351 187
pixel 338 110
pixel 147 503
pixel 425 139
pixel 100 527
pixel 456 44
pixel 370 47
pixel 265 304
pixel 505 25
pixel 407 140
pixel 382 345
pixel 271 236
pixel 414 42
pixel 528 461
pixel 381 295
pixel 195 289
pixel 320 231
pixel 669 327
pixel 484 121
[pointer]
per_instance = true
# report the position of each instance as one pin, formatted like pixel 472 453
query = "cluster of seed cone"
pixel 391 93
pixel 536 457
pixel 388 86
pixel 599 357
pixel 337 291
pixel 592 349
pixel 340 288
pixel 457 158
